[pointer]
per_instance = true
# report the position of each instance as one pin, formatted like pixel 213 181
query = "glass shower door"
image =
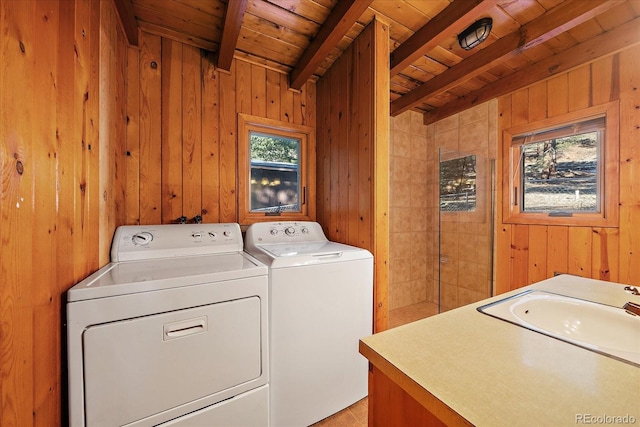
pixel 465 228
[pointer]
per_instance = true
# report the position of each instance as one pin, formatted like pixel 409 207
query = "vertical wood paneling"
pixel 629 261
pixel 537 253
pixel 579 90
pixel 186 120
pixel 364 62
pixel 557 251
pixel 57 57
pixel 191 132
pixel 580 251
pixel 273 95
pixel 381 179
pixel 16 214
pixel 244 100
pixel 538 102
pixel 228 132
pixel 601 253
pixel 210 141
pixel 150 178
pixel 286 100
pixel 557 95
pixel 171 131
pixel 519 256
pixel 258 91
pixel 602 80
pixel 132 189
pixel 605 248
pixel 502 262
pixel 352 190
pixel 46 307
pixel 520 107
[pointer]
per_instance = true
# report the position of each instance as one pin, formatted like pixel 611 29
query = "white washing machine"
pixel 320 305
pixel 173 332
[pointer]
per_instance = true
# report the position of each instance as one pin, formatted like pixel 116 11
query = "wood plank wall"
pixel 353 154
pixel 181 155
pixel 527 254
pixel 62 126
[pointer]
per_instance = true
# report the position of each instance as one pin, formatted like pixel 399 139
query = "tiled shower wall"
pixel 413 215
pixel 414 200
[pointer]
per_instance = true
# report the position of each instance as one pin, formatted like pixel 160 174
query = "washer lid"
pixel 278 255
pixel 150 275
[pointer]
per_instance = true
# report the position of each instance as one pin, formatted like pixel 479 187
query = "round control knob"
pixel 227 233
pixel 273 231
pixel 290 231
pixel 305 230
pixel 142 238
pixel 213 235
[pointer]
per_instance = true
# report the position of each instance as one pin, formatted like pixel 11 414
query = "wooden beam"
pixel 128 20
pixel 165 32
pixel 558 20
pixel 230 33
pixel 452 20
pixel 344 14
pixel 620 38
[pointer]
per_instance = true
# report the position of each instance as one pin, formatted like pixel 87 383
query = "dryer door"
pixel 139 367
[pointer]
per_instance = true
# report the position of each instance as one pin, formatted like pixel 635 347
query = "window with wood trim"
pixel 564 170
pixel 276 170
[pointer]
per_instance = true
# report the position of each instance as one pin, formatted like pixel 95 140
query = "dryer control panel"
pixel 284 232
pixel 138 242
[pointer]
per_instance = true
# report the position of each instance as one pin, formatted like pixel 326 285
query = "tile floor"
pixel 411 313
pixel 353 416
pixel 356 414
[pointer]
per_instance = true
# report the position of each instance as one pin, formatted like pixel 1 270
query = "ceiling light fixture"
pixel 475 34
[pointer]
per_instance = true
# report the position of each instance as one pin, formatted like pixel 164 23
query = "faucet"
pixel 632 308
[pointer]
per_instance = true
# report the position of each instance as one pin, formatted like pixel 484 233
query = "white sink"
pixel 597 327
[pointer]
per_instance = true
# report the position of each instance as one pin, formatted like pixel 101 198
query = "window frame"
pixel 306 164
pixel 608 170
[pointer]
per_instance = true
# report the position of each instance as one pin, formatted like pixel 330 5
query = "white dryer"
pixel 320 305
pixel 172 332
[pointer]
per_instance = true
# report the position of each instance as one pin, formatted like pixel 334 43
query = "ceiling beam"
pixel 452 20
pixel 620 38
pixel 231 32
pixel 128 20
pixel 556 21
pixel 342 17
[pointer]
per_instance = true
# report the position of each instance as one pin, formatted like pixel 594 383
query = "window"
pixel 458 184
pixel 564 170
pixel 275 167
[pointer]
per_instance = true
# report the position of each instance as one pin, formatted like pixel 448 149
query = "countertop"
pixel 469 368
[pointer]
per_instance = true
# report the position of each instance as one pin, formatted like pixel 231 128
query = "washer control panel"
pixel 137 242
pixel 284 232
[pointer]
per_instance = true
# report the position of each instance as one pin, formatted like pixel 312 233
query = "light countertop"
pixel 467 367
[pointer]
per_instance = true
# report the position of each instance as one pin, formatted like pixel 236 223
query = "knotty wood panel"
pixel 62 127
pixel 601 253
pixel 389 404
pixel 185 111
pixel 353 154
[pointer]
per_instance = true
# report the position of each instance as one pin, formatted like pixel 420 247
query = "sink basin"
pixel 601 328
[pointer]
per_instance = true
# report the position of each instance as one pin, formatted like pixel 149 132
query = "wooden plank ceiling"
pixel 430 73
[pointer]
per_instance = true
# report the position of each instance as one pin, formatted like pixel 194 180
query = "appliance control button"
pixel 213 235
pixel 142 238
pixel 273 231
pixel 290 231
pixel 197 235
pixel 227 233
pixel 305 230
